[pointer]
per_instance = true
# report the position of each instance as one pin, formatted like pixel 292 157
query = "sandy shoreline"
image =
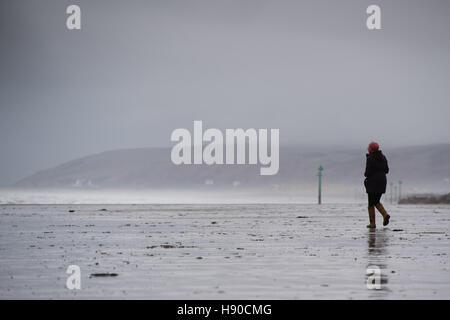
pixel 232 251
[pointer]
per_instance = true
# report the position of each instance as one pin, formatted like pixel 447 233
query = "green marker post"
pixel 399 190
pixel 319 174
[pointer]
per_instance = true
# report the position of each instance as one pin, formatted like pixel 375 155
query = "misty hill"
pixel 421 166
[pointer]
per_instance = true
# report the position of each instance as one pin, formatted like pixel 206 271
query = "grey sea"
pixel 223 251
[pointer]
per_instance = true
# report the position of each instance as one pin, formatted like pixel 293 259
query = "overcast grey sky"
pixel 139 69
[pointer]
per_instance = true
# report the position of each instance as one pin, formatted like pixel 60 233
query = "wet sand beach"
pixel 223 251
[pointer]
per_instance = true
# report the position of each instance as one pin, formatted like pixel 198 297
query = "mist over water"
pixel 147 175
pixel 188 196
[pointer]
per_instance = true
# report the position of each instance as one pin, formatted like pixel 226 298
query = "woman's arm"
pixel 386 167
pixel 367 171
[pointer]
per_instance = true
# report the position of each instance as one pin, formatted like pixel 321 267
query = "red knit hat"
pixel 373 146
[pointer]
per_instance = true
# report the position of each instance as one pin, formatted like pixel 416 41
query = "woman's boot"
pixel 371 218
pixel 383 213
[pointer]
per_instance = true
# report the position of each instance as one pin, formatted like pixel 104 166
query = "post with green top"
pixel 399 190
pixel 319 174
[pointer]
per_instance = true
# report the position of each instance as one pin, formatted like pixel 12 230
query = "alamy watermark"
pixel 373 21
pixel 236 142
pixel 73 21
pixel 373 277
pixel 73 281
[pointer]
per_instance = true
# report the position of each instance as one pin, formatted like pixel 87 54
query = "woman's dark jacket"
pixel 376 170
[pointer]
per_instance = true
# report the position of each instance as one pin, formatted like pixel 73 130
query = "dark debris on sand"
pixel 103 275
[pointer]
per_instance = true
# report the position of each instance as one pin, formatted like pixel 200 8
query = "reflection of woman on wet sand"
pixel 377 258
pixel 375 182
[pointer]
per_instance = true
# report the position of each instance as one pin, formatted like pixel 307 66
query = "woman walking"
pixel 375 182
